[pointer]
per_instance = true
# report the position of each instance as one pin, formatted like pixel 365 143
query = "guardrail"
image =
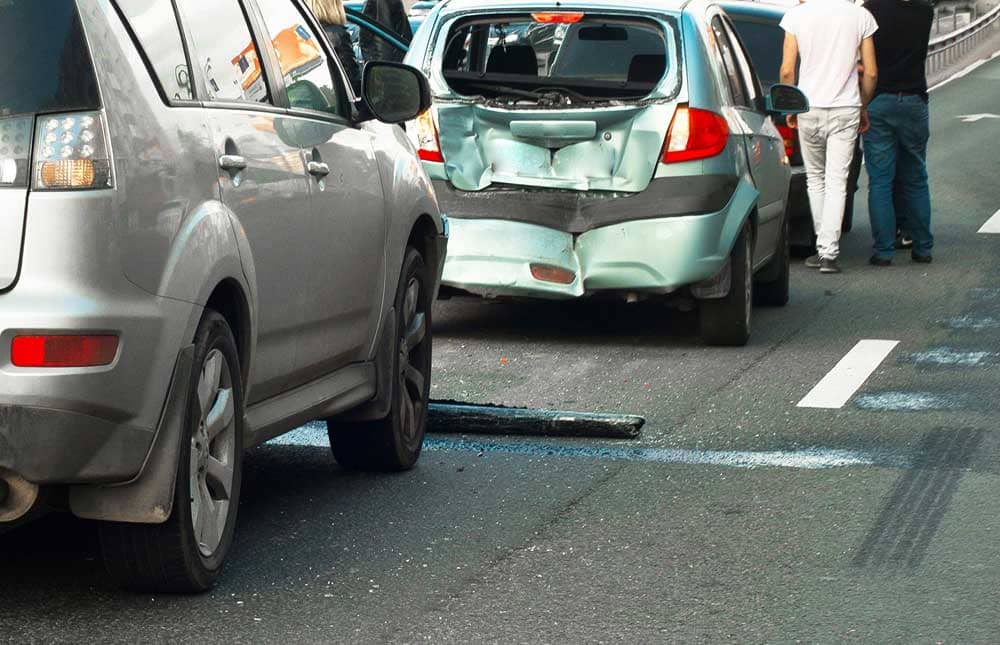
pixel 944 50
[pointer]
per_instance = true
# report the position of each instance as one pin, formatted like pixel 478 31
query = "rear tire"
pixel 394 443
pixel 727 321
pixel 186 553
pixel 774 292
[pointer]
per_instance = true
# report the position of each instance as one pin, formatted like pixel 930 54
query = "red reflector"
pixel 430 155
pixel 547 273
pixel 695 134
pixel 558 18
pixel 791 139
pixel 63 351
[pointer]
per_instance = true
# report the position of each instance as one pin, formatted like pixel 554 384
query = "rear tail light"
pixel 63 351
pixel 15 151
pixel 71 152
pixel 557 17
pixel 428 143
pixel 791 139
pixel 549 273
pixel 695 134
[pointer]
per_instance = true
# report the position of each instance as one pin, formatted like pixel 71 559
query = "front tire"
pixel 186 553
pixel 727 321
pixel 394 443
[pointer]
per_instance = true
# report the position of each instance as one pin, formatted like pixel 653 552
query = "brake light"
pixel 557 17
pixel 63 351
pixel 428 143
pixel 695 134
pixel 71 152
pixel 791 140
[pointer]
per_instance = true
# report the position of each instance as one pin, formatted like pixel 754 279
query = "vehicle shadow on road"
pixel 649 323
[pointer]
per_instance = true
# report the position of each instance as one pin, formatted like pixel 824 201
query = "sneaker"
pixel 813 262
pixel 903 241
pixel 829 266
pixel 922 259
pixel 876 261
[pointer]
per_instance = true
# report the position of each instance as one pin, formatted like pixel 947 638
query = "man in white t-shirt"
pixel 828 36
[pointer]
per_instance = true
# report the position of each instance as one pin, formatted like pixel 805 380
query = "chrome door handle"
pixel 318 169
pixel 232 163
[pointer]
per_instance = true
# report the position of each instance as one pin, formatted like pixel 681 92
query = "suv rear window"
pixel 45 65
pixel 571 60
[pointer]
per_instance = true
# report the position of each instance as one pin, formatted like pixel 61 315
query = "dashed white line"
pixel 847 377
pixel 992 225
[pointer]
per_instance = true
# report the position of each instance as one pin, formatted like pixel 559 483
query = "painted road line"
pixel 992 225
pixel 965 72
pixel 847 377
pixel 314 435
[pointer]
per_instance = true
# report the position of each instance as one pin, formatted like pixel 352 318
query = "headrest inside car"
pixel 513 59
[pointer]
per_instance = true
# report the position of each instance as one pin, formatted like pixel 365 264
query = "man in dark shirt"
pixel 896 143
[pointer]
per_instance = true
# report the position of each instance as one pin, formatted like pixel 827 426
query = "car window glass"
pixel 225 51
pixel 155 27
pixel 305 67
pixel 737 89
pixel 763 43
pixel 369 45
pixel 752 83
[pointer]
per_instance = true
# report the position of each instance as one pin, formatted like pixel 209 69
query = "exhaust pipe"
pixel 17 495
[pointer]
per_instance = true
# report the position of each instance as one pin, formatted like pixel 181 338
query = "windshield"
pixel 763 41
pixel 44 62
pixel 527 57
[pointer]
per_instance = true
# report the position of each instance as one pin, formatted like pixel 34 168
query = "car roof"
pixel 564 5
pixel 764 10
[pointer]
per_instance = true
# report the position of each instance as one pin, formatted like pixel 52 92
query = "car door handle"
pixel 318 169
pixel 232 163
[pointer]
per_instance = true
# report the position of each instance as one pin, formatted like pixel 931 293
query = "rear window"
pixel 764 42
pixel 45 65
pixel 570 60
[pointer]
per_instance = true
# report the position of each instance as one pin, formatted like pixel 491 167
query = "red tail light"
pixel 428 144
pixel 63 351
pixel 791 139
pixel 695 134
pixel 558 18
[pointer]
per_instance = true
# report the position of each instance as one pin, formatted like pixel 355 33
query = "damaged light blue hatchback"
pixel 606 147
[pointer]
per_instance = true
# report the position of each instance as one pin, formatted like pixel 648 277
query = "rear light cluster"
pixel 695 134
pixel 15 150
pixel 71 152
pixel 428 143
pixel 791 139
pixel 63 351
pixel 557 17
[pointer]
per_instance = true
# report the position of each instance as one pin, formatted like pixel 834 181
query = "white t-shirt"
pixel 829 33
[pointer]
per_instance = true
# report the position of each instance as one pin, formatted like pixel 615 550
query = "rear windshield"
pixel 45 65
pixel 764 42
pixel 523 57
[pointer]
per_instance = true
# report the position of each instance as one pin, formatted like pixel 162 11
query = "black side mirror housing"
pixel 786 99
pixel 393 92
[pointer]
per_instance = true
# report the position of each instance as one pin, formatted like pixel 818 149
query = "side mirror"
pixel 393 92
pixel 786 99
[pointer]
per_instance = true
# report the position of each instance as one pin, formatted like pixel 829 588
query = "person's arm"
pixel 789 63
pixel 869 77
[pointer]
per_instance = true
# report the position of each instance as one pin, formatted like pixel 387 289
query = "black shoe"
pixel 903 241
pixel 813 262
pixel 922 259
pixel 876 261
pixel 829 266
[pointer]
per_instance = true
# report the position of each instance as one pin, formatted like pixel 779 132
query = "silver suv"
pixel 206 240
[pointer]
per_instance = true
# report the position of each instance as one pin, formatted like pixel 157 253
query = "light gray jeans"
pixel 828 137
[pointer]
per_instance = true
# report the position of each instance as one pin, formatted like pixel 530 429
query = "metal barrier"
pixel 945 50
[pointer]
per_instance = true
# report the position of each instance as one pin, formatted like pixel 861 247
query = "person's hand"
pixel 866 123
pixel 793 121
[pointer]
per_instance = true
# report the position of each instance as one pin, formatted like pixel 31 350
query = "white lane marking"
pixel 992 225
pixel 847 377
pixel 973 118
pixel 965 72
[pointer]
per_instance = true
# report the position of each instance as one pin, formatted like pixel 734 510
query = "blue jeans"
pixel 896 154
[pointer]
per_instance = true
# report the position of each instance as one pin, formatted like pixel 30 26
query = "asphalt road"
pixel 876 522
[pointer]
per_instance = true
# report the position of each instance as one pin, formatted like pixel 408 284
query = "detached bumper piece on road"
pixel 445 417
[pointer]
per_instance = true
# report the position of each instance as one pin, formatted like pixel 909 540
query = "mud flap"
pixel 149 498
pixel 380 406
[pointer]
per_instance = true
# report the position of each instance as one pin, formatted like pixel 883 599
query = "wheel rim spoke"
pixel 409 416
pixel 222 414
pixel 207 519
pixel 219 476
pixel 415 380
pixel 208 386
pixel 416 332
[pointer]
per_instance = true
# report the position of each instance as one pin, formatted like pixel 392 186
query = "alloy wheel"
pixel 413 363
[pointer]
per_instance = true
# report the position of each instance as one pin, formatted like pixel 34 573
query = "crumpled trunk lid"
pixel 614 148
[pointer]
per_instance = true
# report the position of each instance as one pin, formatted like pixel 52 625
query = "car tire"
pixel 773 292
pixel 727 321
pixel 186 553
pixel 394 443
